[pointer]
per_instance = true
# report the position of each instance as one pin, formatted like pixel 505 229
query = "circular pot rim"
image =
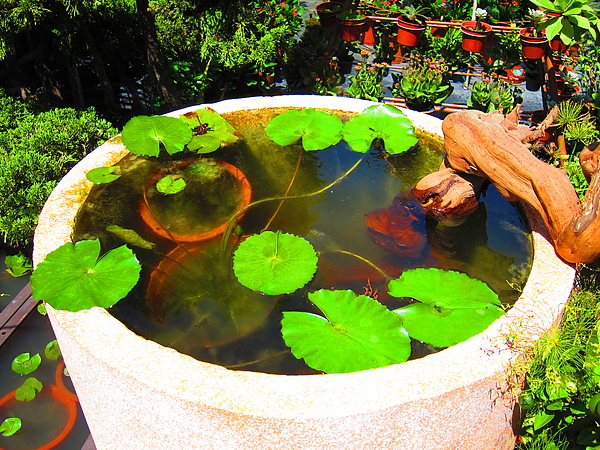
pixel 303 396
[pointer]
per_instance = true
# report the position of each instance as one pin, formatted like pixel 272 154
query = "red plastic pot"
pixel 327 13
pixel 409 33
pixel 532 47
pixel 9 401
pixel 155 225
pixel 438 32
pixel 368 37
pixel 474 40
pixel 350 30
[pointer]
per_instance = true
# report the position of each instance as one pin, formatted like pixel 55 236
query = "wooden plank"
pixel 14 314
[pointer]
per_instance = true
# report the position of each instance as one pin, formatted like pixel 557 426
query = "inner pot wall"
pixel 136 394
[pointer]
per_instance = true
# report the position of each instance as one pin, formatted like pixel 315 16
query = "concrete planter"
pixel 136 394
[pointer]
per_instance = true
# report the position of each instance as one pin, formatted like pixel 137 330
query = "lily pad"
pixel 52 351
pixel 102 175
pixel 28 390
pixel 18 265
pixel 144 135
pixel 209 130
pixel 74 276
pixel 274 262
pixel 385 122
pixel 453 306
pixel 10 426
pixel 170 184
pixel 357 333
pixel 317 129
pixel 24 363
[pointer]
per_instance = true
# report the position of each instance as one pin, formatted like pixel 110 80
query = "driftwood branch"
pixel 492 147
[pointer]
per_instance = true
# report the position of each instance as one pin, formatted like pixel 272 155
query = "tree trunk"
pixel 155 58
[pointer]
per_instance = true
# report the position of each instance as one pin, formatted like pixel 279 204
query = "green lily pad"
pixel 144 135
pixel 453 306
pixel 28 390
pixel 209 130
pixel 170 184
pixel 102 175
pixel 274 262
pixel 317 129
pixel 384 122
pixel 10 426
pixel 51 350
pixel 357 333
pixel 74 276
pixel 18 265
pixel 24 363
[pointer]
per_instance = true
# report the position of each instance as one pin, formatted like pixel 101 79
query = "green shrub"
pixel 37 150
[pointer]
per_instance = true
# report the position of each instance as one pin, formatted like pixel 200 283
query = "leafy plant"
pixel 18 265
pixel 367 81
pixel 492 93
pixel 572 19
pixel 24 363
pixel 316 129
pixel 28 390
pixel 10 426
pixel 351 15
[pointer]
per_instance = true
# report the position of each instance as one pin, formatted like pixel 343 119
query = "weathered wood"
pixel 484 146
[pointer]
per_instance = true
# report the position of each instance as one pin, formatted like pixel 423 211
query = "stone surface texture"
pixel 136 394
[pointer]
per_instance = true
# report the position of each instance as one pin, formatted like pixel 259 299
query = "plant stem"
pixel 266 358
pixel 365 260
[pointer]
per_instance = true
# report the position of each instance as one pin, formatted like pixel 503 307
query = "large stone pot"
pixel 136 394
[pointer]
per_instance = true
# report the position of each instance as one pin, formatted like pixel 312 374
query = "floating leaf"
pixel 101 175
pixel 274 262
pixel 28 390
pixel 143 135
pixel 130 236
pixel 209 130
pixel 317 129
pixel 170 184
pixel 18 265
pixel 10 426
pixel 453 306
pixel 357 333
pixel 74 277
pixel 52 351
pixel 41 308
pixel 384 122
pixel 24 363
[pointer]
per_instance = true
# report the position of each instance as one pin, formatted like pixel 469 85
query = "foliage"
pixel 36 151
pixel 367 82
pixel 317 129
pixel 449 48
pixel 18 265
pixel 506 54
pixel 74 276
pixel 563 380
pixel 24 363
pixel 492 93
pixel 574 19
pixel 10 426
pixel 28 390
pixel 423 82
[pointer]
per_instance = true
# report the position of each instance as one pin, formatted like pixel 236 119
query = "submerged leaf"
pixel 18 265
pixel 102 175
pixel 317 129
pixel 130 236
pixel 51 350
pixel 143 135
pixel 453 306
pixel 384 122
pixel 10 426
pixel 75 277
pixel 357 333
pixel 209 130
pixel 274 262
pixel 170 184
pixel 28 390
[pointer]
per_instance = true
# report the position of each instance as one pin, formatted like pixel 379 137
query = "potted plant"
pixel 475 32
pixel 423 84
pixel 327 13
pixel 492 93
pixel 534 43
pixel 411 25
pixel 350 25
pixel 367 81
pixel 567 21
pixel 131 384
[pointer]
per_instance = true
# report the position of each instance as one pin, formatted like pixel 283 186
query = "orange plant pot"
pixel 474 40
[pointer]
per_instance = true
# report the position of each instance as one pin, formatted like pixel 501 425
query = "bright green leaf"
pixel 143 135
pixel 357 333
pixel 209 130
pixel 41 308
pixel 10 426
pixel 28 390
pixel 52 351
pixel 384 122
pixel 542 419
pixel 103 175
pixel 317 129
pixel 18 265
pixel 453 306
pixel 274 262
pixel 75 277
pixel 24 363
pixel 170 184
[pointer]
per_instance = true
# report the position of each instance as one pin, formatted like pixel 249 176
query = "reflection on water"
pixel 189 299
